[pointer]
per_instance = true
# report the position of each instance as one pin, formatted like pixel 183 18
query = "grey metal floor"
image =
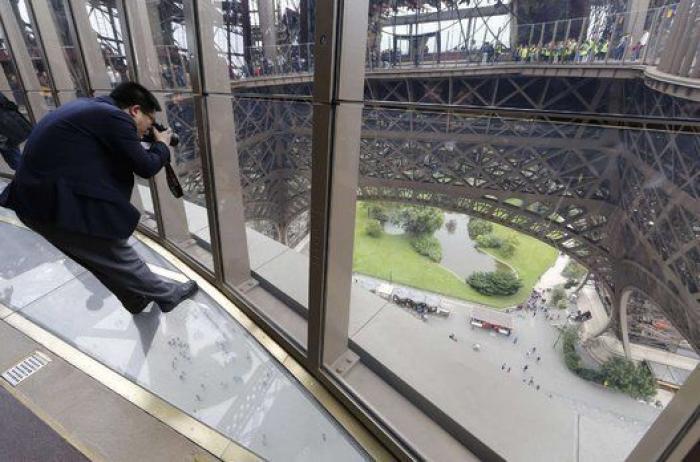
pixel 25 437
pixel 197 357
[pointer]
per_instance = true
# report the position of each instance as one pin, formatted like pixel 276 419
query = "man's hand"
pixel 164 136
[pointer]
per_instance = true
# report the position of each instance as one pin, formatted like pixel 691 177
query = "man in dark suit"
pixel 74 184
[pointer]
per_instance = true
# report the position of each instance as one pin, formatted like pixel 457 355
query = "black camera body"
pixel 170 175
pixel 149 138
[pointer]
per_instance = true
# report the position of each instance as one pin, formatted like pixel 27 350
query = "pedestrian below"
pixel 531 381
pixel 538 358
pixel 537 388
pixel 524 367
pixel 515 340
pixel 508 371
pixel 534 349
pixel 527 353
pixel 74 183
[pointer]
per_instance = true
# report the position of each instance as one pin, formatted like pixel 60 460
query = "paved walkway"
pixel 602 415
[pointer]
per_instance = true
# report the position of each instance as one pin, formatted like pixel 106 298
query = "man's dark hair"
pixel 128 94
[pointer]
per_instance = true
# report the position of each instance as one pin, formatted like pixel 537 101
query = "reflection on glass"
pixel 71 52
pixel 105 21
pixel 187 162
pixel 143 201
pixel 483 273
pixel 170 39
pixel 10 83
pixel 274 155
pixel 36 55
pixel 10 86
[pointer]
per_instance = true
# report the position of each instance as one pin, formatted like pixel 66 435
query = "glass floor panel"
pixel 196 357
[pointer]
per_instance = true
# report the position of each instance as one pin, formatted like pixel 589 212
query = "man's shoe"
pixel 184 290
pixel 139 306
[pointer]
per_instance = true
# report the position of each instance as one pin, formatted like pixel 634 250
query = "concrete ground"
pixel 608 423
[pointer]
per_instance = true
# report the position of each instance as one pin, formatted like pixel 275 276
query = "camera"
pixel 149 138
pixel 170 175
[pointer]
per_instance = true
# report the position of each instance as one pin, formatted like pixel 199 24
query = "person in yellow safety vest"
pixel 602 49
pixel 499 50
pixel 532 53
pixel 570 50
pixel 523 53
pixel 583 51
pixel 559 53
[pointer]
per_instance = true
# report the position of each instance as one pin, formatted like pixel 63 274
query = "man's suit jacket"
pixel 77 170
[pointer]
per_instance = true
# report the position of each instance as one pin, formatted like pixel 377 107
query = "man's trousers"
pixel 114 263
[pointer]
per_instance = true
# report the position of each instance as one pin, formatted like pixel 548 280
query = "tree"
pixel 574 271
pixel 378 211
pixel 495 282
pixel 373 228
pixel 562 304
pixel 558 294
pixel 478 227
pixel 624 375
pixel 509 245
pixel 421 220
pixel 489 241
pixel 428 246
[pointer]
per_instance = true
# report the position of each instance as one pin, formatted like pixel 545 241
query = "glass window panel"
pixel 453 203
pixel 105 20
pixel 273 140
pixel 143 200
pixel 10 86
pixel 170 39
pixel 31 41
pixel 448 204
pixel 10 83
pixel 274 157
pixel 66 31
pixel 187 163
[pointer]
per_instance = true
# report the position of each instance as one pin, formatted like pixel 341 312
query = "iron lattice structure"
pixel 575 95
pixel 623 202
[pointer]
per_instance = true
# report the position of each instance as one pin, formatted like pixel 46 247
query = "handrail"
pixel 632 38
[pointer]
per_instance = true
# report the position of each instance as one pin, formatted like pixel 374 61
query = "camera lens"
pixel 149 138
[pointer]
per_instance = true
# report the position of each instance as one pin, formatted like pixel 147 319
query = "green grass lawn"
pixel 392 258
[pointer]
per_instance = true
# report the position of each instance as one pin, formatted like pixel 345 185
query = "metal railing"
pixel 630 38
